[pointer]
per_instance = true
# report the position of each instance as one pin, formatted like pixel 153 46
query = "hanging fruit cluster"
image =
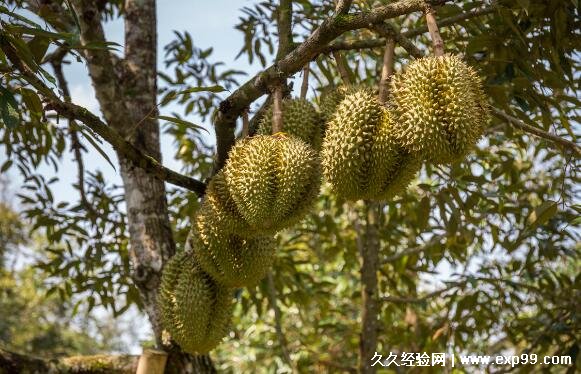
pixel 268 184
pixel 436 113
pixel 370 150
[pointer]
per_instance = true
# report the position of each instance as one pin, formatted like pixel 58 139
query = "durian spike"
pixel 437 42
pixel 387 69
pixel 342 68
pixel 305 84
pixel 277 124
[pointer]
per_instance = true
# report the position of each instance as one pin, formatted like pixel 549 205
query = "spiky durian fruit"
pixel 329 102
pixel 441 108
pixel 274 180
pixel 195 310
pixel 300 119
pixel 360 156
pixel 219 203
pixel 230 259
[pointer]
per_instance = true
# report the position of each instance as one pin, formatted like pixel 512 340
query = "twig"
pixel 305 83
pixel 563 143
pixel 437 42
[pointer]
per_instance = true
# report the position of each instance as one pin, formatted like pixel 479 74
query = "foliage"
pixel 481 256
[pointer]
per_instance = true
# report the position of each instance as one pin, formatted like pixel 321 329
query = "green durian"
pixel 300 119
pixel 230 259
pixel 195 310
pixel 360 156
pixel 329 102
pixel 273 179
pixel 441 108
pixel 219 203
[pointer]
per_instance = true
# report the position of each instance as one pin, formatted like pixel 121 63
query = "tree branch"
pixel 231 108
pixel 376 43
pixel 72 111
pixel 388 30
pixel 563 143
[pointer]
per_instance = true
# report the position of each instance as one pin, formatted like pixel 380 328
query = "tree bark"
pixel 11 363
pixel 369 252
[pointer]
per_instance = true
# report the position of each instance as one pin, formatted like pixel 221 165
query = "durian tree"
pixel 417 193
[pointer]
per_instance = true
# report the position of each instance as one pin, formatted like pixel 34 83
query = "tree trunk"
pixel 369 251
pixel 127 93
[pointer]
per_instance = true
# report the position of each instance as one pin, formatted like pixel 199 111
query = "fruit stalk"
pixel 437 42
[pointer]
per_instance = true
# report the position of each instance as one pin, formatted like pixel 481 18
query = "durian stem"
pixel 369 251
pixel 387 70
pixel 437 42
pixel 152 361
pixel 277 124
pixel 305 84
pixel 342 68
pixel 245 124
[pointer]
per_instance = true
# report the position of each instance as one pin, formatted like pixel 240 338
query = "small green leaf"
pixel 96 146
pixel 6 166
pixel 9 109
pixel 542 214
pixel 31 100
pixel 38 46
pixel 181 122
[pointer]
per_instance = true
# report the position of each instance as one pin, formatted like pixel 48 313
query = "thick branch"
pixel 231 108
pixel 376 43
pixel 563 143
pixel 284 25
pixel 72 111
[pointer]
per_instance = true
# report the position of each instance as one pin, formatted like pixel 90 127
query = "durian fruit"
pixel 230 259
pixel 219 204
pixel 329 102
pixel 274 180
pixel 441 107
pixel 360 156
pixel 300 119
pixel 195 310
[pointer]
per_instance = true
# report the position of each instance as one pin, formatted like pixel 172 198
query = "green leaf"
pixel 9 109
pixel 542 214
pixel 181 122
pixel 6 166
pixel 96 146
pixel 38 46
pixel 40 32
pixel 31 100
